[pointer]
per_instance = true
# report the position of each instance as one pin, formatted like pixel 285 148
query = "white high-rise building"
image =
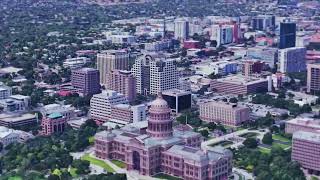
pixel 163 75
pixel 292 60
pixel 181 29
pixel 100 104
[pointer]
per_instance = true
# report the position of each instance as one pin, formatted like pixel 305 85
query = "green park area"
pixel 249 135
pixel 98 162
pixel 166 176
pixel 280 138
pixel 118 163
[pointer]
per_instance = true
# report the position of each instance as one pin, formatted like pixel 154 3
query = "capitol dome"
pixel 159 102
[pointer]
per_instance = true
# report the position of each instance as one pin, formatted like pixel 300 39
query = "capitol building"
pixel 158 147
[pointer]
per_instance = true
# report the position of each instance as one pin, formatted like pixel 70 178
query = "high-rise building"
pixel 100 105
pixel 292 60
pixel 141 72
pixel 110 60
pixel 302 124
pixel 225 113
pixel 313 78
pixel 163 75
pixel 263 22
pixel 123 82
pixel 86 81
pixel 305 150
pixel 181 29
pixel 222 34
pixel 287 35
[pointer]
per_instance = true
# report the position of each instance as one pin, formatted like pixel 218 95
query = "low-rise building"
pixel 66 110
pixel 53 123
pixel 75 63
pixel 240 85
pixel 5 91
pixel 18 120
pixel 225 113
pixel 9 136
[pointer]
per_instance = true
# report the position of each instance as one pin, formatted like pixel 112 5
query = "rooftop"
pixel 309 136
pixel 241 80
pixel 55 115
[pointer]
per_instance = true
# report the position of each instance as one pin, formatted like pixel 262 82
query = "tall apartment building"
pixel 5 91
pixel 163 75
pixel 292 60
pixel 123 82
pixel 86 81
pixel 110 60
pixel 302 124
pixel 100 105
pixel 313 78
pixel 305 150
pixel 224 113
pixel 181 29
pixel 287 35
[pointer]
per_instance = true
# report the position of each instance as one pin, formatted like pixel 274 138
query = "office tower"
pixel 123 82
pixel 225 113
pixel 313 78
pixel 181 29
pixel 222 34
pixel 100 105
pixel 86 81
pixel 54 123
pixel 263 22
pixel 110 60
pixel 287 35
pixel 178 100
pixel 173 151
pixel 292 60
pixel 141 71
pixel 305 150
pixel 163 75
pixel 267 55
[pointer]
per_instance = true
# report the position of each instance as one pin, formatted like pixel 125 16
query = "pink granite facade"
pixel 163 149
pixel 54 123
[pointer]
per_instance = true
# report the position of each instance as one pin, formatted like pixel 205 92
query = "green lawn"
pixel 98 162
pixel 280 138
pixel 118 163
pixel 73 172
pixel 15 178
pixel 166 176
pixel 249 135
pixel 283 146
pixel 264 150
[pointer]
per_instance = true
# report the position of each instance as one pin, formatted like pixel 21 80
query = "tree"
pixel 267 139
pixel 250 143
pixel 233 100
pixel 1 146
pixel 204 133
pixel 82 166
pixel 53 177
